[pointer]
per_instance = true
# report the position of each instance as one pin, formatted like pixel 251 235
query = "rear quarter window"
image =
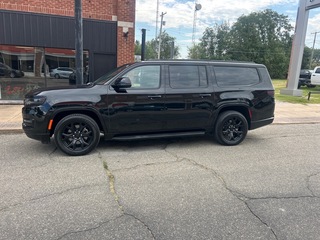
pixel 236 76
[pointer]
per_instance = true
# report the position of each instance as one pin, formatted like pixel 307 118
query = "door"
pixel 102 64
pixel 315 77
pixel 189 98
pixel 138 109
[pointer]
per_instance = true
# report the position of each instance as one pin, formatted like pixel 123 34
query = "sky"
pixel 179 17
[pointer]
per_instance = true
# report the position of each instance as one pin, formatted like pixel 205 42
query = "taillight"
pixel 270 93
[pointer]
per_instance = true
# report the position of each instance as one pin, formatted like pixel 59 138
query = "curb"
pixel 10 131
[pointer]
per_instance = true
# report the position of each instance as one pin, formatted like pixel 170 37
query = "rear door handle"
pixel 205 95
pixel 154 96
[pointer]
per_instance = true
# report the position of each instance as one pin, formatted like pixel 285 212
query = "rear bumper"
pixel 261 123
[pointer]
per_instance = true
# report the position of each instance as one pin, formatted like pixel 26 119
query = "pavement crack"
pixel 49 195
pixel 143 223
pixel 112 184
pixel 241 197
pixel 144 165
pixel 308 183
pixel 260 219
pixel 52 152
pixel 88 229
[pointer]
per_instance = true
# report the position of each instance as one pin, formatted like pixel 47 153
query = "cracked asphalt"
pixel 266 188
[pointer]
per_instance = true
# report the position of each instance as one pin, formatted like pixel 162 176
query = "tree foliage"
pixel 262 37
pixel 151 48
pixel 213 44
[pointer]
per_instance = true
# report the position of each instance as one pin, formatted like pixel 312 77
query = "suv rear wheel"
pixel 77 134
pixel 231 128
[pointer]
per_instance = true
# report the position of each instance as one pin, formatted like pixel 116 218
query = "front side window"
pixel 188 76
pixel 144 77
pixel 236 76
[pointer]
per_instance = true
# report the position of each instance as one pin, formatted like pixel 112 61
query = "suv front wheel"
pixel 231 128
pixel 77 134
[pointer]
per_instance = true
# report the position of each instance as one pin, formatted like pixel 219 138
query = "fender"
pixel 78 109
pixel 236 105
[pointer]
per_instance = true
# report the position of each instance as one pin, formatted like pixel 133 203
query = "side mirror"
pixel 123 82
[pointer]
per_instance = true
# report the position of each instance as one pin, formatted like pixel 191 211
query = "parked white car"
pixel 61 72
pixel 315 76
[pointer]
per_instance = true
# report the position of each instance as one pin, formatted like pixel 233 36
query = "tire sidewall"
pixel 223 117
pixel 79 118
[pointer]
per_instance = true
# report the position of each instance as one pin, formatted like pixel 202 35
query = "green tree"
pixel 151 48
pixel 263 37
pixel 213 44
pixel 306 58
pixel 137 48
pixel 315 58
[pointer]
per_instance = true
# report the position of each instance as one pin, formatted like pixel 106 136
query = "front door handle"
pixel 205 95
pixel 154 96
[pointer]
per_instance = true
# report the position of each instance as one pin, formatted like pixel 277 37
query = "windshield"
pixel 105 78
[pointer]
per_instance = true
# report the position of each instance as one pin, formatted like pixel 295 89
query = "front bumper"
pixel 35 125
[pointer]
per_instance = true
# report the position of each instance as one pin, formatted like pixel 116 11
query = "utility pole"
pixel 197 7
pixel 78 41
pixel 143 44
pixel 159 47
pixel 314 41
pixel 157 19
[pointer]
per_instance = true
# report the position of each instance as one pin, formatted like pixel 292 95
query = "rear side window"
pixel 236 76
pixel 187 76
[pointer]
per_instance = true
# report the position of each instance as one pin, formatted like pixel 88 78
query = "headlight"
pixel 34 100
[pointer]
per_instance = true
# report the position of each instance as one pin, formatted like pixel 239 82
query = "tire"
pixel 77 134
pixel 231 128
pixel 12 75
pixel 56 76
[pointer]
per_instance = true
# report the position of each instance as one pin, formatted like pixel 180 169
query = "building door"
pixel 103 63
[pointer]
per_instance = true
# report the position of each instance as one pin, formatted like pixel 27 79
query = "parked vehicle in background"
pixel 305 73
pixel 73 81
pixel 61 72
pixel 72 78
pixel 154 99
pixel 315 77
pixel 7 71
pixel 304 78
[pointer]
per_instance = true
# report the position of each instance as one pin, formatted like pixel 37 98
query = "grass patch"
pixel 281 83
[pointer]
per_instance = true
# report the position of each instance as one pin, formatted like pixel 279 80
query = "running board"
pixel 159 135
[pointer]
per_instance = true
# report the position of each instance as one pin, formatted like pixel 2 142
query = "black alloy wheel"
pixel 231 128
pixel 56 76
pixel 77 134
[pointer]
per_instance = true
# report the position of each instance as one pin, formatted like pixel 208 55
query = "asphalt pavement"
pixel 185 188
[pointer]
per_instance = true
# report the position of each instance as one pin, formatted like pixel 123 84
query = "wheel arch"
pixel 241 108
pixel 90 113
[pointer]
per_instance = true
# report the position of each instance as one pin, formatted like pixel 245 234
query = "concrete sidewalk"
pixel 285 113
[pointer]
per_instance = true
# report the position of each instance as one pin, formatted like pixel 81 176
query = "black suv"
pixel 154 99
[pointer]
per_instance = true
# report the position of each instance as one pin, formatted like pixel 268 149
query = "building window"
pixel 26 68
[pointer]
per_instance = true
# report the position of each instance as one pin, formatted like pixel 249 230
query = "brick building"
pixel 37 36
